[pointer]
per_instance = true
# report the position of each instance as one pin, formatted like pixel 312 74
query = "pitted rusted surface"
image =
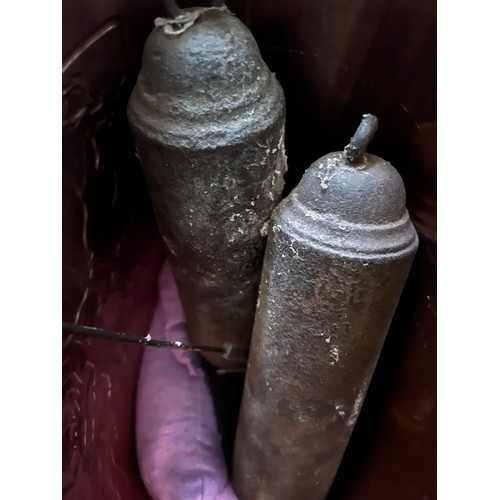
pixel 208 120
pixel 339 251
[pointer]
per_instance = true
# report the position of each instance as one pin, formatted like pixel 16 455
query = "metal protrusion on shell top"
pixel 339 251
pixel 207 118
pixel 360 140
pixel 173 9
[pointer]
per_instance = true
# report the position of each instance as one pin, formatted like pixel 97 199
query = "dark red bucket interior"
pixel 335 60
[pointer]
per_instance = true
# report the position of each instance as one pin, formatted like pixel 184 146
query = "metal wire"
pixel 102 333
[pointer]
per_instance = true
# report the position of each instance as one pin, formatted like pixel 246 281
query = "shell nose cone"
pixel 371 192
pixel 212 50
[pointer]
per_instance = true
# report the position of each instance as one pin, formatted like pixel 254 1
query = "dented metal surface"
pixel 208 120
pixel 340 249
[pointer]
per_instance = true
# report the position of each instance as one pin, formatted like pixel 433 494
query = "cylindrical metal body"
pixel 339 251
pixel 207 117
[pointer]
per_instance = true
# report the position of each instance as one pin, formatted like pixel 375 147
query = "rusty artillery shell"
pixel 207 117
pixel 339 251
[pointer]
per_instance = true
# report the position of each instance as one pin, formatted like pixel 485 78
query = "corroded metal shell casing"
pixel 207 117
pixel 339 251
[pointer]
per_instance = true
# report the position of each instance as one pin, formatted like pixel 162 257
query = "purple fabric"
pixel 178 445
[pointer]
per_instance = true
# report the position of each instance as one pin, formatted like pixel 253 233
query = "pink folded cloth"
pixel 178 444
